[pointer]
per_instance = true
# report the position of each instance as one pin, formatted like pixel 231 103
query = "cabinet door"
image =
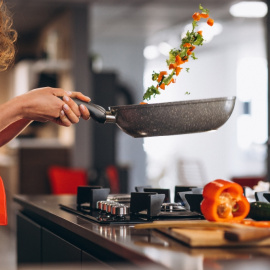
pixel 28 241
pixel 57 250
pixel 91 262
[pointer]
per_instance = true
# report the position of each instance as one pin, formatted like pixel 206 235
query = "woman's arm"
pixel 41 105
pixel 13 130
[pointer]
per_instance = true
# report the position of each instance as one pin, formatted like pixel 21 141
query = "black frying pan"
pixel 169 118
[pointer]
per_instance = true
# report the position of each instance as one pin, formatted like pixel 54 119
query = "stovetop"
pixel 145 205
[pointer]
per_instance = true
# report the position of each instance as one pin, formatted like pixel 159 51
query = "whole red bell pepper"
pixel 3 205
pixel 224 201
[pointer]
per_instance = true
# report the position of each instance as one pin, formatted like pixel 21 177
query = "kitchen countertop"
pixel 143 247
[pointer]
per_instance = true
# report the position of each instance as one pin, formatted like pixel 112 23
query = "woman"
pixel 40 104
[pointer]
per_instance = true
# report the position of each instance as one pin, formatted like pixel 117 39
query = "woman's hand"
pixel 44 104
pixel 71 111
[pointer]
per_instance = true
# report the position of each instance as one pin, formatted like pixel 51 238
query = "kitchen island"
pixel 49 235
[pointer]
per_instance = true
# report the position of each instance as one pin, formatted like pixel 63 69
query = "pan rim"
pixel 172 103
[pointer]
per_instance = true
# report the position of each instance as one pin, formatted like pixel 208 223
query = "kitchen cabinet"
pixel 38 246
pixel 57 250
pixel 28 241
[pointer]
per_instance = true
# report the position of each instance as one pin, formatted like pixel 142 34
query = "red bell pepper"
pixel 3 205
pixel 224 201
pixel 196 16
pixel 210 22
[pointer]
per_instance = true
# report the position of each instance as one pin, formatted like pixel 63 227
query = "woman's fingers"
pixel 63 120
pixel 84 112
pixel 71 112
pixel 73 118
pixel 78 110
pixel 78 95
pixel 72 105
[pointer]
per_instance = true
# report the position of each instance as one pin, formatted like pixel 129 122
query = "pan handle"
pixel 97 112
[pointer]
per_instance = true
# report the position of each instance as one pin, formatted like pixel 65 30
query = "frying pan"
pixel 170 118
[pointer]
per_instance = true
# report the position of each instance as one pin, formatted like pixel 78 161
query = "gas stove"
pixel 145 205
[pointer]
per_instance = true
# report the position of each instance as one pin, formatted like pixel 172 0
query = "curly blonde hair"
pixel 8 36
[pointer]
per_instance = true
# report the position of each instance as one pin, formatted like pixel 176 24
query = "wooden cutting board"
pixel 202 233
pixel 209 238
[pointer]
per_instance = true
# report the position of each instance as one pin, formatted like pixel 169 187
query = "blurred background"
pixel 108 50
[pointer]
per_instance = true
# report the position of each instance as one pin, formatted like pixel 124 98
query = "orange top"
pixel 3 204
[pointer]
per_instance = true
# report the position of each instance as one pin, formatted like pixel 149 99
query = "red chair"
pixel 113 178
pixel 66 180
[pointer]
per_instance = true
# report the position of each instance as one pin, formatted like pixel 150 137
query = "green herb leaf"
pixel 151 91
pixel 172 55
pixel 168 78
pixel 154 76
pixel 203 10
pixel 199 40
pixel 194 25
pixel 193 56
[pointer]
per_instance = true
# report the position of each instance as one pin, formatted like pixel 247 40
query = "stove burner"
pixel 96 204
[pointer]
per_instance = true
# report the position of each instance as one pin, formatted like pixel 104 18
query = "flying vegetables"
pixel 178 57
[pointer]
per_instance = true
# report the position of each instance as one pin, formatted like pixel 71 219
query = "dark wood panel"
pixel 34 164
pixel 28 241
pixel 57 250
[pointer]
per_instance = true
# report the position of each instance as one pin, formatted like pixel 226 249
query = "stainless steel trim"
pixel 110 118
pixel 120 210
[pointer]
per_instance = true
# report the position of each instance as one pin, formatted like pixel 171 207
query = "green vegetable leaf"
pixel 187 69
pixel 151 91
pixel 199 40
pixel 194 25
pixel 193 56
pixel 172 55
pixel 203 10
pixel 154 76
pixel 183 53
pixel 168 78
